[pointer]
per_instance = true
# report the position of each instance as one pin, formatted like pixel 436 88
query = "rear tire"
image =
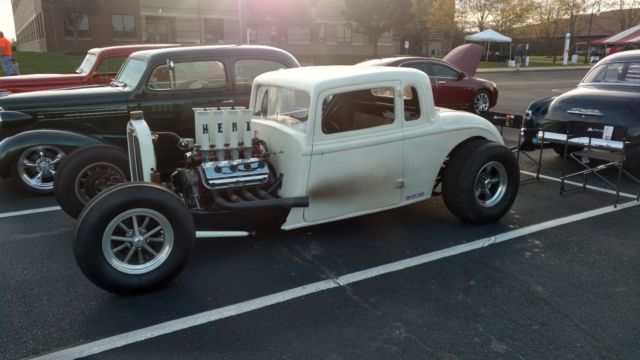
pixel 480 182
pixel 86 172
pixel 134 238
pixel 481 102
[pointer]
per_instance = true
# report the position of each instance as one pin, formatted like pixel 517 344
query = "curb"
pixel 549 68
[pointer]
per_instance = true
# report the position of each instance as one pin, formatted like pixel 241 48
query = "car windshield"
pixel 284 105
pixel 130 73
pixel 87 64
pixel 620 73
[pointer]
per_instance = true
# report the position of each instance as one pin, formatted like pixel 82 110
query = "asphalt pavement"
pixel 557 277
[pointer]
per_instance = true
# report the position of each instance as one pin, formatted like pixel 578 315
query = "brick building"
pixel 40 27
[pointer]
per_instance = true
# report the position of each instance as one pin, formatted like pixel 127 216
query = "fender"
pixel 14 145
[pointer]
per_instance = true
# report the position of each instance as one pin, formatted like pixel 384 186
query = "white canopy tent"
pixel 489 36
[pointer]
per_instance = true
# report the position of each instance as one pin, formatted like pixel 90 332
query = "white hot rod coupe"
pixel 317 144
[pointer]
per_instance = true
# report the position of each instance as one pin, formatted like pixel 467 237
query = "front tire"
pixel 480 182
pixel 134 238
pixel 86 172
pixel 34 169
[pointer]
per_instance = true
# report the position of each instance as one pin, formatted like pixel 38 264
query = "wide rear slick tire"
pixel 480 181
pixel 86 172
pixel 133 238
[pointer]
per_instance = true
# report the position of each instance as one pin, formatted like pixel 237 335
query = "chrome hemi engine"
pixel 224 166
pixel 225 144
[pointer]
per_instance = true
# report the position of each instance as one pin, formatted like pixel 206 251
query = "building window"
pixel 252 35
pixel 83 27
pixel 320 33
pixel 123 27
pixel 298 35
pixel 214 31
pixel 344 33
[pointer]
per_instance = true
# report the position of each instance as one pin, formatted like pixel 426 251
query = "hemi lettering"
pixel 205 128
pixel 248 126
pixel 234 126
pixel 219 128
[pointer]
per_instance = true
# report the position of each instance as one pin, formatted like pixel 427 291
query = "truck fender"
pixel 13 146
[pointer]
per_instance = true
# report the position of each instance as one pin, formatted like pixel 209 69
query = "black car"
pixel 609 94
pixel 38 128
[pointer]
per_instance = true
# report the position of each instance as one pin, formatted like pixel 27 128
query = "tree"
pixel 278 15
pixel 510 15
pixel 73 12
pixel 572 9
pixel 549 15
pixel 432 16
pixel 376 17
pixel 628 12
pixel 475 14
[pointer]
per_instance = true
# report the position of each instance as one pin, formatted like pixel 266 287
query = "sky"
pixel 6 20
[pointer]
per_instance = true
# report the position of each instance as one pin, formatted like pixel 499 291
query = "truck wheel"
pixel 86 172
pixel 480 182
pixel 133 238
pixel 34 169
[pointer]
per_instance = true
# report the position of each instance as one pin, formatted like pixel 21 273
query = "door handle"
pixel 440 82
pixel 227 101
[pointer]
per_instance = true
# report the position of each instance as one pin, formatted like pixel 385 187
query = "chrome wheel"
pixel 137 241
pixel 491 184
pixel 481 102
pixel 37 166
pixel 95 178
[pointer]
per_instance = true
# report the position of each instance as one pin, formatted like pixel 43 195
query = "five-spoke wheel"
pixel 35 168
pixel 480 181
pixel 491 184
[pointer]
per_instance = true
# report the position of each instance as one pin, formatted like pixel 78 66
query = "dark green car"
pixel 38 128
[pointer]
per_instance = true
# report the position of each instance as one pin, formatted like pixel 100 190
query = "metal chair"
pixel 502 121
pixel 603 142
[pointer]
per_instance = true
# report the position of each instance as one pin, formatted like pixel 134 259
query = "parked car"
pixel 609 93
pixel 452 78
pixel 99 66
pixel 318 144
pixel 40 127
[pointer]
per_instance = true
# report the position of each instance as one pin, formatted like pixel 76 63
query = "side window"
pixel 411 104
pixel 422 66
pixel 111 65
pixel 189 75
pixel 247 70
pixel 357 110
pixel 443 71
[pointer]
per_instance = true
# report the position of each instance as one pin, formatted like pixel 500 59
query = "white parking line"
pixel 29 211
pixel 169 327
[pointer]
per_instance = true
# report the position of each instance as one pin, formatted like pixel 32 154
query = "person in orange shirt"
pixel 7 53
